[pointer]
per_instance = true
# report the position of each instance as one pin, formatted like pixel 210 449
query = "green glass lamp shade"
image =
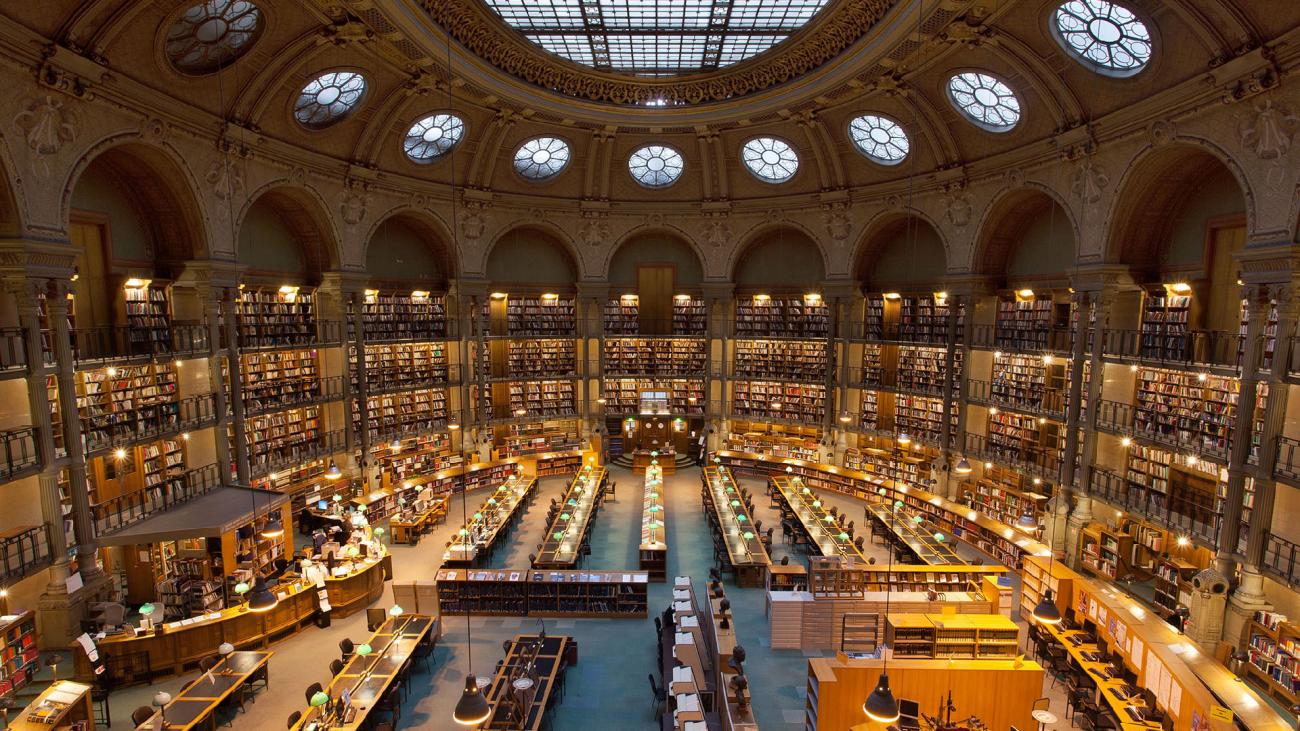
pixel 828 518
pixel 654 462
pixel 353 551
pixel 749 536
pixel 492 501
pixel 380 531
pixel 918 519
pixel 565 516
pixel 656 524
pixel 463 532
pixel 319 698
pixel 881 491
pixel 735 503
pixel 573 502
pixel 939 537
pixel 717 460
pixel 730 490
pixel 654 495
pixel 478 516
pixel 654 453
pixel 898 503
pixel 741 518
pixel 806 491
pixel 146 609
pixel 557 535
pixel 364 650
pixel 242 587
pixel 654 508
pixel 844 536
pixel 817 503
pixel 338 498
pixel 395 610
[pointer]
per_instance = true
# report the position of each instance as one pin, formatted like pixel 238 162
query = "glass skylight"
pixel 211 34
pixel 433 136
pixel 655 166
pixel 656 36
pixel 770 159
pixel 328 98
pixel 541 158
pixel 879 138
pixel 1107 37
pixel 985 100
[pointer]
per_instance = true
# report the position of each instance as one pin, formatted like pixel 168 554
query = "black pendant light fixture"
pixel 262 599
pixel 1047 612
pixel 881 706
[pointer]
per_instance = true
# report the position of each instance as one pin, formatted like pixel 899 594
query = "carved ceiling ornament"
pixel 835 217
pixel 473 221
pixel 958 208
pixel 352 203
pixel 717 231
pixel 47 123
pixel 1089 181
pixel 226 179
pixel 482 33
pixel 1162 132
pixel 1268 129
pixel 595 229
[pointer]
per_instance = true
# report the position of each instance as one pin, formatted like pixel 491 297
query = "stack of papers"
pixel 679 594
pixel 684 638
pixel 682 581
pixel 683 674
pixel 688 703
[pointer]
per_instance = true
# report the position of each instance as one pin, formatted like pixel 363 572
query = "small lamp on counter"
pixel 160 701
pixel 225 648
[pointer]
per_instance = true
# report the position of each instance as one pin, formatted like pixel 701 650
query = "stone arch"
pixel 430 230
pixel 1014 217
pixel 879 261
pixel 159 185
pixel 304 214
pixel 515 239
pixel 770 246
pixel 1154 190
pixel 688 245
pixel 759 232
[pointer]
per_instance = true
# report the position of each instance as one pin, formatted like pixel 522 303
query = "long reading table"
pixel 568 531
pixel 523 686
pixel 744 547
pixel 489 522
pixel 821 529
pixel 195 706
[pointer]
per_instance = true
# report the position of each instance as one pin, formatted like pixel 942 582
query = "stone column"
pixel 212 321
pixel 719 298
pixel 1080 517
pixel 1083 302
pixel 353 304
pixel 229 312
pixel 56 307
pixel 952 390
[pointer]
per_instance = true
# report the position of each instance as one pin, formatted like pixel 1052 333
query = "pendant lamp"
pixel 881 706
pixel 274 527
pixel 472 709
pixel 903 439
pixel 262 599
pixel 333 473
pixel 963 466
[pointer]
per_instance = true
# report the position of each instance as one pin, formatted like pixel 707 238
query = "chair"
pixel 140 715
pixel 336 666
pixel 109 614
pixel 346 647
pixel 390 704
pixel 208 663
pixel 102 710
pixel 375 618
pixel 659 695
pixel 312 690
pixel 293 719
pixel 422 653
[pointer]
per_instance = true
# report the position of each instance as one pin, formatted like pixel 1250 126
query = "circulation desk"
pixel 176 646
pixel 57 707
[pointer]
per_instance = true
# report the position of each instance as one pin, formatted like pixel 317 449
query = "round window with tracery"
pixel 211 34
pixel 879 138
pixel 328 98
pixel 433 136
pixel 769 159
pixel 541 158
pixel 1107 37
pixel 655 166
pixel 985 100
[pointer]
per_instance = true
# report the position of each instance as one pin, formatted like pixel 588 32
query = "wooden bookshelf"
pixel 389 316
pixel 1025 323
pixel 888 464
pixel 540 316
pixel 405 412
pixel 147 311
pixel 18 651
pixel 275 379
pixel 924 318
pixel 282 435
pixel 869 410
pixel 690 317
pixel 1037 575
pixel 773 400
pixel 623 316
pixel 541 358
pixel 1166 320
pixel 791 360
pixel 831 577
pixel 514 440
pixel 761 316
pixel 655 356
pixel 921 370
pixel 921 417
pixel 1172 581
pixel 118 403
pixel 1274 649
pixel 402 366
pixel 1002 501
pixel 1106 551
pixel 1193 410
pixel 276 317
pixel 798 442
pixel 415 455
pixel 542 398
pixel 541 593
pixel 685 395
pixel 1011 435
pixel 1019 381
pixel 940 636
pixel 874 366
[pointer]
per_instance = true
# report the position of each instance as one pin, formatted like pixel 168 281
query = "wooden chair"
pixel 293 719
pixel 658 695
pixel 312 690
pixel 140 715
pixel 336 666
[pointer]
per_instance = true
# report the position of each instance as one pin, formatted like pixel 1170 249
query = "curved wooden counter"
pixel 178 647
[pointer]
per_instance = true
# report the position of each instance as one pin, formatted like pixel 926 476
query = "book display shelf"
pixel 17 651
pixel 1025 321
pixel 396 316
pixel 685 395
pixel 401 366
pixel 773 400
pixel 1191 410
pixel 1274 650
pixel 405 413
pixel 1166 320
pixel 276 317
pixel 148 316
pixel 543 593
pixel 921 370
pixel 275 379
pixel 941 636
pixel 1105 551
pixel 116 404
pixel 655 356
pixel 774 440
pixel 762 316
pixel 921 417
pixel 790 360
pixel 282 435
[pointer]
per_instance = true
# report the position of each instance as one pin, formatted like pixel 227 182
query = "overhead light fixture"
pixel 262 599
pixel 682 298
pixel 1025 294
pixel 274 527
pixel 333 473
pixel 419 294
pixel 498 295
pixel 395 445
pixel 1047 612
pixel 550 297
pixel 137 283
pixel 963 467
pixel 881 706
pixel 762 298
pixel 472 709
pixel 812 298
pixel 845 417
pixel 119 453
pixel 903 439
pixel 1179 287
pixel 1125 442
pixel 892 296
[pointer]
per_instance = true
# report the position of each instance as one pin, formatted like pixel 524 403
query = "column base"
pixel 59 614
pixel 1079 519
pixel 1244 601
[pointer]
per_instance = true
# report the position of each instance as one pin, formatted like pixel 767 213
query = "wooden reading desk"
pixel 57 707
pixel 573 521
pixel 367 678
pixel 195 707
pixel 921 540
pixel 497 511
pixel 820 528
pixel 407 527
pixel 653 550
pixel 744 547
pixel 522 688
pixel 1116 693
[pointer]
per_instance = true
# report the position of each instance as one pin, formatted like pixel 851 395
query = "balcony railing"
pixel 1047 402
pixel 1114 416
pixel 385 380
pixel 1206 348
pixel 897 333
pixel 23 552
pixel 1039 461
pixel 1282 558
pixel 114 344
pixel 13 350
pixel 131 508
pixel 327 389
pixel 18 453
pixel 1287 465
pixel 1036 340
pixel 106 431
pixel 1192 514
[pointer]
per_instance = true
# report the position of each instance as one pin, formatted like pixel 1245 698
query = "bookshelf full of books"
pixel 1025 321
pixel 623 316
pixel 1190 410
pixel 541 316
pixel 544 398
pixel 805 361
pixel 1014 436
pixel 148 316
pixel 921 369
pixel 118 404
pixel 873 366
pixel 655 356
pixel 690 317
pixel 764 316
pixel 805 403
pixel 1166 321
pixel 536 437
pixel 685 395
pixel 921 417
pixel 389 316
pixel 869 410
pixel 1274 651
pixel 541 358
pixel 402 366
pixel 280 378
pixel 1002 495
pixel 276 317
pixel 18 651
pixel 282 435
pixel 913 318
pixel 405 413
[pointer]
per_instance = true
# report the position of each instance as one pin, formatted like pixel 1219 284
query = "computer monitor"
pixel 1149 698
pixel 909 709
pixel 1090 627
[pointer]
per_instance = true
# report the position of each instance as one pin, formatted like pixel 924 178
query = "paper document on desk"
pixel 682 581
pixel 681 594
pixel 683 607
pixel 684 638
pixel 688 703
pixel 695 726
pixel 683 674
pixel 691 621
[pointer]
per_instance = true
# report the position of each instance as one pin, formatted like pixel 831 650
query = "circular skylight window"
pixel 879 138
pixel 328 98
pixel 985 100
pixel 655 166
pixel 770 159
pixel 432 136
pixel 211 34
pixel 541 158
pixel 1107 37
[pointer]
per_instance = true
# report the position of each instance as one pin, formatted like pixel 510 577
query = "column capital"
pixel 599 291
pixel 24 257
pixel 1269 263
pixel 966 284
pixel 833 289
pixel 211 274
pixel 1101 278
pixel 719 290
pixel 345 282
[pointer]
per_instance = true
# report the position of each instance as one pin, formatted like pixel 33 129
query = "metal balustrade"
pixel 18 452
pixel 105 345
pixel 13 350
pixel 1039 461
pixel 23 552
pixel 145 423
pixel 384 380
pixel 1201 348
pixel 1116 417
pixel 124 510
pixel 1191 514
pixel 1282 559
pixel 1287 464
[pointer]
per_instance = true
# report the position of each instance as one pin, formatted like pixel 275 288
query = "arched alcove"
pixel 655 249
pixel 407 249
pixel 286 232
pixel 1027 237
pixel 903 253
pixel 783 259
pixel 530 255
